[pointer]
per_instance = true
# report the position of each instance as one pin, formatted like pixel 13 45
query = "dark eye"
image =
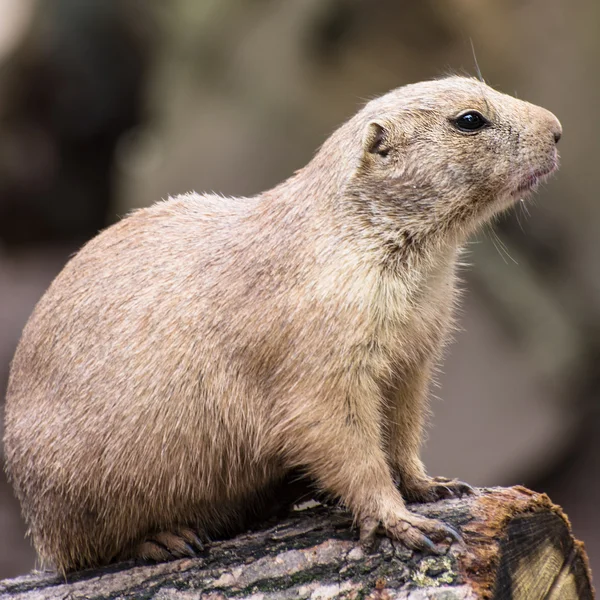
pixel 470 122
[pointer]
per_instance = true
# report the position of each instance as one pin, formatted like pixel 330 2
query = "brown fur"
pixel 192 355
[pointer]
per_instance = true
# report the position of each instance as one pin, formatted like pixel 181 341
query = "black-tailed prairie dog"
pixel 191 356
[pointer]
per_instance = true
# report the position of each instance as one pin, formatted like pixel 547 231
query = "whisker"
pixel 479 75
pixel 517 217
pixel 501 246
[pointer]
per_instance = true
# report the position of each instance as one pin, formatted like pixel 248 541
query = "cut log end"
pixel 518 546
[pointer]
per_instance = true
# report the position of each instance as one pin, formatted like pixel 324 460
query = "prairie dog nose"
pixel 557 135
pixel 555 127
pixel 546 121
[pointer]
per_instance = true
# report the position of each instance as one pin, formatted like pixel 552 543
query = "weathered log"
pixel 517 546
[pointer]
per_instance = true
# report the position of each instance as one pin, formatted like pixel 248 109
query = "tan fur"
pixel 190 356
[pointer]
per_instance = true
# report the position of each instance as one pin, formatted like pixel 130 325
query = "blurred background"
pixel 108 105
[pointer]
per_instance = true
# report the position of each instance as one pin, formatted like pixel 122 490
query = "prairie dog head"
pixel 443 156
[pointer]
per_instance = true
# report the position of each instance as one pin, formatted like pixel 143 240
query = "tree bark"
pixel 517 546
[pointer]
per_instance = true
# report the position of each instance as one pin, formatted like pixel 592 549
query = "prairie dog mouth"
pixel 535 177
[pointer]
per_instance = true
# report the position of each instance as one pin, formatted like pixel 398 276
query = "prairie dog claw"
pixel 415 532
pixel 434 489
pixel 170 545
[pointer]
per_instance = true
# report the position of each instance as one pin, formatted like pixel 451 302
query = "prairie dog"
pixel 192 355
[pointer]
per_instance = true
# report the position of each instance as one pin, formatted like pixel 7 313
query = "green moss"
pixel 434 571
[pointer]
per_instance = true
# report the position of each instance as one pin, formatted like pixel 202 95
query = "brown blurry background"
pixel 107 105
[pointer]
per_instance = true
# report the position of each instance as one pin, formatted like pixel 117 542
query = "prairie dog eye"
pixel 470 121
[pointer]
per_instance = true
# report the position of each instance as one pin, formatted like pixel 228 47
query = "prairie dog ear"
pixel 377 139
